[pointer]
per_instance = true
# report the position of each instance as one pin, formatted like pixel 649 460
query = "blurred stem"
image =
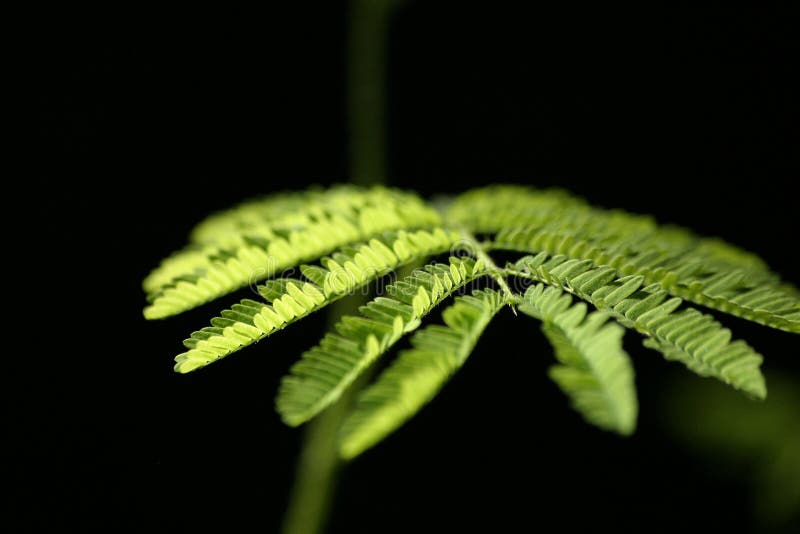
pixel 367 42
pixel 319 464
pixel 367 48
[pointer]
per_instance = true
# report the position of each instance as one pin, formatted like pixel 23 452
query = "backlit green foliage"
pixel 594 370
pixel 626 272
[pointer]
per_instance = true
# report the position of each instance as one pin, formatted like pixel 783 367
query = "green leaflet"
pixel 418 374
pixel 227 227
pixel 264 218
pixel 325 371
pixel 527 216
pixel 291 299
pixel 595 371
pixel 704 271
pixel 202 273
pixel 686 335
pixel 490 209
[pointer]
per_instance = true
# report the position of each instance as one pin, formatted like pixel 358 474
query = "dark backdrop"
pixel 146 122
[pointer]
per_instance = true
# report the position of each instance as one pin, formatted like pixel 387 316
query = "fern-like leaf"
pixel 233 227
pixel 687 335
pixel 633 270
pixel 490 209
pixel 704 272
pixel 291 299
pixel 227 227
pixel 255 252
pixel 418 374
pixel 561 216
pixel 595 371
pixel 325 371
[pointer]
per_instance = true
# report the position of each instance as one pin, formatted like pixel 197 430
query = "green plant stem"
pixel 317 470
pixel 367 48
pixel 477 249
pixel 319 463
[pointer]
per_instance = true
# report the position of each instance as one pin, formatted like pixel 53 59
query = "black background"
pixel 146 122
